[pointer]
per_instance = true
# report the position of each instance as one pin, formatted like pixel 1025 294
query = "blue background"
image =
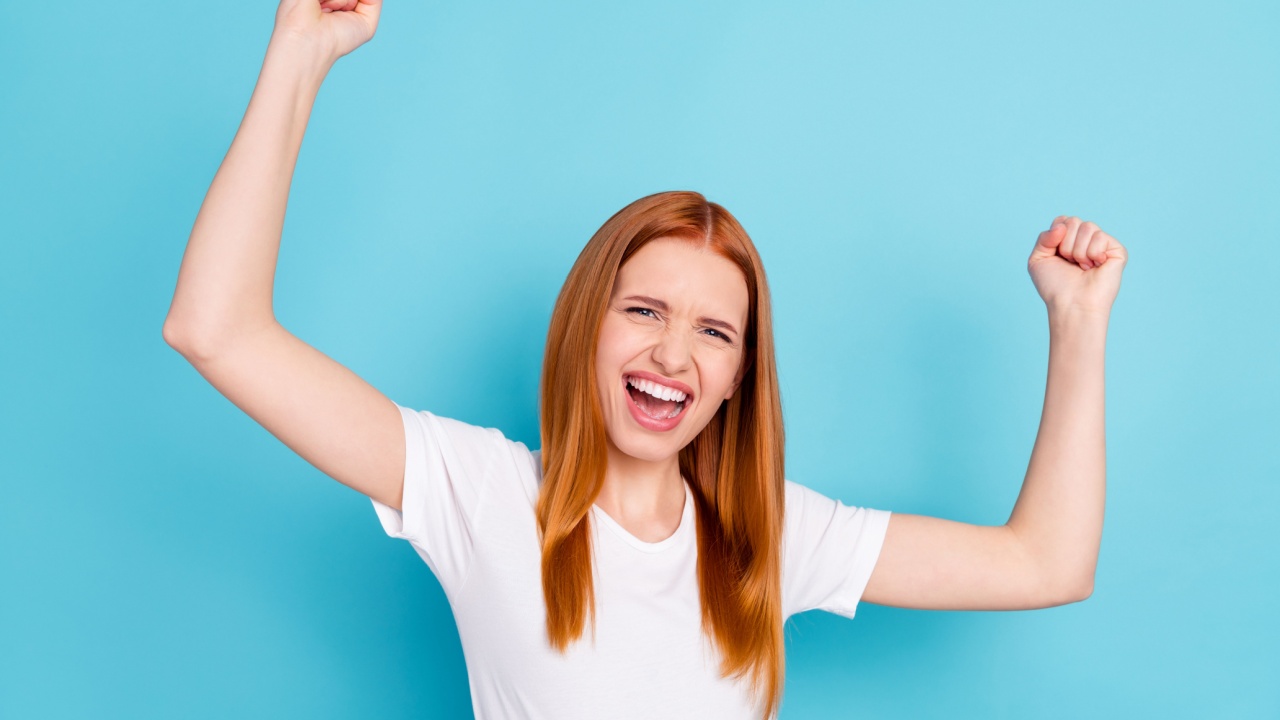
pixel 164 556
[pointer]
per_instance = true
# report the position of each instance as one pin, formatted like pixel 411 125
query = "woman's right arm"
pixel 221 318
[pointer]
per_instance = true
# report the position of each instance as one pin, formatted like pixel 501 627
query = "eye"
pixel 717 333
pixel 642 310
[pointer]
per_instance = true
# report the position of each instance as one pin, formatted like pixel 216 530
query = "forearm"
pixel 228 270
pixel 1058 515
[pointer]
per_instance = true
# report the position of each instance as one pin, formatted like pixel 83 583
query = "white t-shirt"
pixel 468 510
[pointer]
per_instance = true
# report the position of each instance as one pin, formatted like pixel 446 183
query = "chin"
pixel 643 448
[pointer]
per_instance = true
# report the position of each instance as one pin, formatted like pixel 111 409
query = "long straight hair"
pixel 735 465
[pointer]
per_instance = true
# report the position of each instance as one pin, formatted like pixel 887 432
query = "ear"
pixel 737 379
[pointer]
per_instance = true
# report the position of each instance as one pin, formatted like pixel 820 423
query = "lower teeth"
pixel 667 416
pixel 674 411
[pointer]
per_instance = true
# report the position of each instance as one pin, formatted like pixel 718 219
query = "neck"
pixel 641 488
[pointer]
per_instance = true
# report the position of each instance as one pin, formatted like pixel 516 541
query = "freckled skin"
pixel 673 343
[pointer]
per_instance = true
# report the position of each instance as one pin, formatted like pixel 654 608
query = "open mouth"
pixel 655 400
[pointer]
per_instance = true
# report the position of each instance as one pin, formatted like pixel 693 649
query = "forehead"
pixel 687 277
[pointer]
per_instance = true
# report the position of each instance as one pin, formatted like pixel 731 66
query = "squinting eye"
pixel 642 310
pixel 718 334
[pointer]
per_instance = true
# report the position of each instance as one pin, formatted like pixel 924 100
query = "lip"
pixel 644 420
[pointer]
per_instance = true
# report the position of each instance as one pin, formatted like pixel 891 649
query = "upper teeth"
pixel 661 392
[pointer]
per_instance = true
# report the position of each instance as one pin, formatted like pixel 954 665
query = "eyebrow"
pixel 665 308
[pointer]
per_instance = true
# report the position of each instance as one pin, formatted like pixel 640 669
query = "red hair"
pixel 735 465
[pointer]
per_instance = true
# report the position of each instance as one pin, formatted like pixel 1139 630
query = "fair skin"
pixel 221 320
pixel 1047 552
pixel 677 313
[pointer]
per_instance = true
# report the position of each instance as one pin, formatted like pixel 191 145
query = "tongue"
pixel 652 406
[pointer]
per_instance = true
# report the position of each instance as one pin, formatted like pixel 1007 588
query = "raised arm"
pixel 1047 552
pixel 221 318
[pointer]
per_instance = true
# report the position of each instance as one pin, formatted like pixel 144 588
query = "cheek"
pixel 719 369
pixel 619 342
pixel 613 350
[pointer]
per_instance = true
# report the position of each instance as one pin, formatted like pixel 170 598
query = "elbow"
pixel 1083 591
pixel 189 344
pixel 176 336
pixel 1073 592
pixel 171 334
pixel 197 340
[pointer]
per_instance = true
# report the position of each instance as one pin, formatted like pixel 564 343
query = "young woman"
pixel 644 561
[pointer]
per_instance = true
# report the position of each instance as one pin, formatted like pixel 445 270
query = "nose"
pixel 672 352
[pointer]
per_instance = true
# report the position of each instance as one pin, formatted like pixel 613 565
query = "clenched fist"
pixel 332 27
pixel 1077 266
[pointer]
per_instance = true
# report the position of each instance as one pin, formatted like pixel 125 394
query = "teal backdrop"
pixel 163 556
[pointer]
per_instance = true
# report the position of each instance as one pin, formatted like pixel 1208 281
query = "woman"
pixel 644 561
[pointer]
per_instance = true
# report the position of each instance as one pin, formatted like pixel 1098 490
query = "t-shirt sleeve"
pixel 829 551
pixel 449 468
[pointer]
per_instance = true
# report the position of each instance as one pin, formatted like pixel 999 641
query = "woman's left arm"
pixel 1047 552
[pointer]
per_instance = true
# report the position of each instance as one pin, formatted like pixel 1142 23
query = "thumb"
pixel 1048 241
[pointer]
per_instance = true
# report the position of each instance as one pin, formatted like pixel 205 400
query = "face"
pixel 671 347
